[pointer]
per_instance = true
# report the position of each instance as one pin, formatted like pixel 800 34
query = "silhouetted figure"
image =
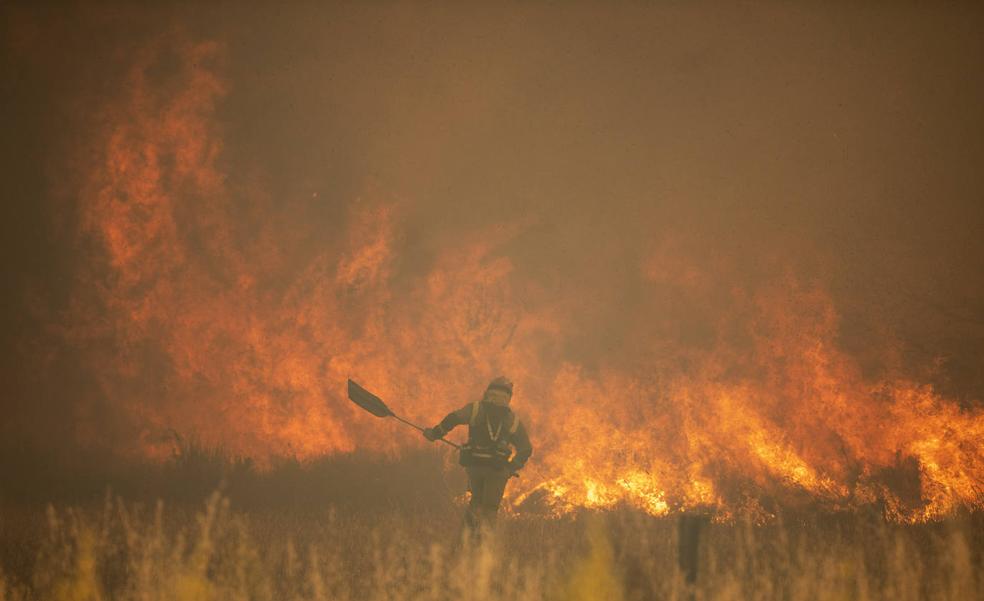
pixel 688 539
pixel 497 448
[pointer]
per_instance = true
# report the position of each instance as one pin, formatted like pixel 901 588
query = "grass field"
pixel 369 529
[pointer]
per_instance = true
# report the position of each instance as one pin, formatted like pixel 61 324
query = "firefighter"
pixel 497 448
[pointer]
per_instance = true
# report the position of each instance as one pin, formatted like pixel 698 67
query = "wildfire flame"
pixel 205 306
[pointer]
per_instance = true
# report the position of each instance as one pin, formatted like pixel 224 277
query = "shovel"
pixel 375 405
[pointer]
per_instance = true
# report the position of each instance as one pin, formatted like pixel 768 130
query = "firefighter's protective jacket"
pixel 490 426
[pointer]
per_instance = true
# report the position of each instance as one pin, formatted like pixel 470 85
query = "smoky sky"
pixel 846 141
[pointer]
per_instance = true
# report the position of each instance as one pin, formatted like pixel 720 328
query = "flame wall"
pixel 676 340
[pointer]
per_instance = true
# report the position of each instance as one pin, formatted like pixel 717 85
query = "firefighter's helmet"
pixel 499 391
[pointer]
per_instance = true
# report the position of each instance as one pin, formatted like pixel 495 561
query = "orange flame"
pixel 220 311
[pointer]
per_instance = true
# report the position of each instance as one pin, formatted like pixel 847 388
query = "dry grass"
pixel 125 551
pixel 364 530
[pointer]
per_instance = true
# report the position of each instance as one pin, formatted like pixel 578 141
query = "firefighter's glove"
pixel 431 434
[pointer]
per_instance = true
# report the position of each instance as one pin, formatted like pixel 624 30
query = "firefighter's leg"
pixel 476 488
pixel 493 487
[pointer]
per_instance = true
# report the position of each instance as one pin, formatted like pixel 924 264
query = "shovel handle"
pixel 413 425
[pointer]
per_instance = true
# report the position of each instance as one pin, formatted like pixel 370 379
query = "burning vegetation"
pixel 205 305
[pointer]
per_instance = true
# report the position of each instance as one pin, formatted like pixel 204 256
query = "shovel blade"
pixel 367 400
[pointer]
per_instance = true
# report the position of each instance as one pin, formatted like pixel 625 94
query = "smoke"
pixel 726 253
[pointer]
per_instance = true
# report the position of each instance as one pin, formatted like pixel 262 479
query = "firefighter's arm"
pixel 521 442
pixel 450 421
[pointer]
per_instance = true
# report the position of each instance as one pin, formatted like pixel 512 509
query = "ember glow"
pixel 204 303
